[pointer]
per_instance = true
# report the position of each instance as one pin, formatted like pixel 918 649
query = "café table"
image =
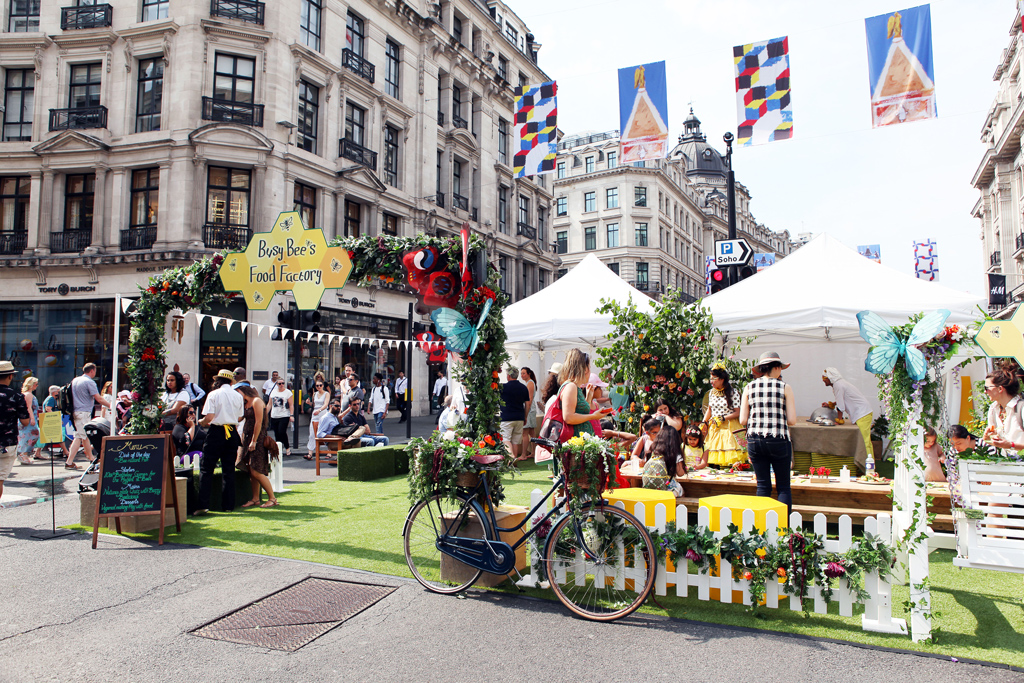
pixel 844 439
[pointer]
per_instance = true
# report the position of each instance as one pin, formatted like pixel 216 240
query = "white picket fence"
pixel 877 610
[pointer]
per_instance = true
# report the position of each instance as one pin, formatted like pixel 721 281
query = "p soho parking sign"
pixel 732 252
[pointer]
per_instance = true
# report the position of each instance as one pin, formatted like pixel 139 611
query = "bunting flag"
pixel 926 260
pixel 763 107
pixel 643 113
pixel 126 304
pixel 536 122
pixel 900 66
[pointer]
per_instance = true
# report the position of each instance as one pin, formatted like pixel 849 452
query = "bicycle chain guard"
pixel 494 557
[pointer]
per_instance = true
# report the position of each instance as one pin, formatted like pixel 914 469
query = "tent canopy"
pixel 564 311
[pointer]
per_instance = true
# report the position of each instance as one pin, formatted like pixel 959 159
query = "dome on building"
pixel 705 159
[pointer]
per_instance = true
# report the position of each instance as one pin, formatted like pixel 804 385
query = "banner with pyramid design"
pixel 900 66
pixel 643 113
pixel 536 122
pixel 764 110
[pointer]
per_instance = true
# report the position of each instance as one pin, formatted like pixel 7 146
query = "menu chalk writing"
pixel 132 478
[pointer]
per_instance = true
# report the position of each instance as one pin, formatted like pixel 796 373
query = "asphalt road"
pixel 123 612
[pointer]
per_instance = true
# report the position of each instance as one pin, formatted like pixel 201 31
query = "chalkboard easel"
pixel 135 472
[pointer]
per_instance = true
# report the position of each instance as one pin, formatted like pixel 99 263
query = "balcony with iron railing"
pixel 135 239
pixel 78 118
pixel 1019 242
pixel 460 202
pixel 86 16
pixel 357 153
pixel 357 65
pixel 460 122
pixel 526 230
pixel 996 258
pixel 70 241
pixel 221 236
pixel 229 111
pixel 243 10
pixel 13 243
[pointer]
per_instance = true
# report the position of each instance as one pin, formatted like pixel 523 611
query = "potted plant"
pixel 443 462
pixel 588 463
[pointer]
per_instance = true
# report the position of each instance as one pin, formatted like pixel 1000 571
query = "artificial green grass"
pixel 977 614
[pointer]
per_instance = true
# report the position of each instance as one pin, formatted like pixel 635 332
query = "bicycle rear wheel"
pixel 427 522
pixel 602 569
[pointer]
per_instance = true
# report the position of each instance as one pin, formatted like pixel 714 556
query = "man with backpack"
pixel 194 391
pixel 84 396
pixel 380 401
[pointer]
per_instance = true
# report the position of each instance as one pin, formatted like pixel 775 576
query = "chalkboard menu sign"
pixel 135 473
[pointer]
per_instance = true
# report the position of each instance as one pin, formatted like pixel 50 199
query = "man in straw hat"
pixel 12 411
pixel 849 400
pixel 221 415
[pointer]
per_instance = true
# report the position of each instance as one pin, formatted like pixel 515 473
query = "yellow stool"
pixel 649 497
pixel 760 505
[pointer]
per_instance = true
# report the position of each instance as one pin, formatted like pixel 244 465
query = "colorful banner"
pixel 762 261
pixel 643 113
pixel 871 251
pixel 926 260
pixel 996 289
pixel 900 66
pixel 709 265
pixel 536 120
pixel 763 107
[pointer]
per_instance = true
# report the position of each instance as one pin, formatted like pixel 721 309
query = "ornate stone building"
pixel 143 134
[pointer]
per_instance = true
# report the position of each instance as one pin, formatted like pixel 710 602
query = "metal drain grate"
pixel 296 615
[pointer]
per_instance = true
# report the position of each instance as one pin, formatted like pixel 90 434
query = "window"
pixel 503 68
pixel 589 201
pixel 503 281
pixel 305 205
pixel 614 267
pixel 641 276
pixel 309 116
pixel 590 238
pixel 457 28
pixel 24 16
pixel 613 235
pixel 391 156
pixel 503 141
pixel 78 200
pixel 355 124
pixel 438 190
pixel 145 197
pixel 151 94
pixel 542 279
pixel 227 196
pixel 613 161
pixel 309 24
pixel 234 78
pixel 355 34
pixel 524 209
pixel 457 179
pixel 640 164
pixel 561 205
pixel 352 225
pixel 19 96
pixel 390 225
pixel 541 227
pixel 154 9
pixel 456 102
pixel 590 164
pixel 512 34
pixel 503 209
pixel 85 86
pixel 392 65
pixel 611 197
pixel 562 242
pixel 561 273
pixel 640 232
pixel 561 169
pixel 640 196
pixel 14 197
pixel 523 80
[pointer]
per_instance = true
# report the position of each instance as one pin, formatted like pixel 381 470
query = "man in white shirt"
pixel 401 383
pixel 269 385
pixel 852 402
pixel 221 415
pixel 380 401
pixel 440 389
pixel 86 396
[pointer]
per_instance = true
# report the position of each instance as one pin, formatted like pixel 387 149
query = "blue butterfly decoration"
pixel 460 333
pixel 886 347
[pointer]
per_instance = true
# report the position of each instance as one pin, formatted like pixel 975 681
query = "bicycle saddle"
pixel 487 459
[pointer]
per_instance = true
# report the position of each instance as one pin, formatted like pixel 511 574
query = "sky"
pixel 890 186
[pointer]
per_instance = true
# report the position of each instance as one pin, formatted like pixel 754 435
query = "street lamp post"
pixel 731 189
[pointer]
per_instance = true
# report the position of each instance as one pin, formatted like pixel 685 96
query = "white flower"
pixel 189 279
pixel 150 411
pixel 449 435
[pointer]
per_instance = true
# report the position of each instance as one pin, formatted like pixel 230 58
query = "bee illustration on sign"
pixel 311 245
pixel 286 225
pixel 257 297
pixel 233 265
pixel 335 265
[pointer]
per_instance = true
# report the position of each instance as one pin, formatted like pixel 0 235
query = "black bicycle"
pixel 600 563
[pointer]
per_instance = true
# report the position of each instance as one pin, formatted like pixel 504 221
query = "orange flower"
pixel 489 439
pixel 494 385
pixel 781 572
pixel 748 576
pixel 495 374
pixel 482 445
pixel 175 293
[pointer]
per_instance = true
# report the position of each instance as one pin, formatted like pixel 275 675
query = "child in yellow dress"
pixel 693 450
pixel 721 419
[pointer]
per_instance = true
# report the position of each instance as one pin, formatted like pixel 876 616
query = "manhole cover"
pixel 292 617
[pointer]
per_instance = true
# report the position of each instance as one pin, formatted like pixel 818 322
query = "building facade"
pixel 652 222
pixel 144 134
pixel 999 177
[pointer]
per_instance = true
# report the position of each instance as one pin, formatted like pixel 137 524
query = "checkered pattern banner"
pixel 926 260
pixel 709 262
pixel 763 106
pixel 536 120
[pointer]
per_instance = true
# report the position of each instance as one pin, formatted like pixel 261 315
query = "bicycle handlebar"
pixel 546 443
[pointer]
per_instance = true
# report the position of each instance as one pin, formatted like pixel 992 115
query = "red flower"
pixel 748 576
pixel 489 439
pixel 351 254
pixel 494 385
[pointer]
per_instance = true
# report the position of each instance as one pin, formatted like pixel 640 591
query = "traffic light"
pixel 743 272
pixel 718 280
pixel 285 318
pixel 308 321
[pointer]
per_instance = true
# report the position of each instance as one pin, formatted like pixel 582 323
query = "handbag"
pixel 554 427
pixel 268 441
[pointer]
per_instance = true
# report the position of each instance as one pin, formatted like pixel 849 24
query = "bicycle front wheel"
pixel 428 522
pixel 601 568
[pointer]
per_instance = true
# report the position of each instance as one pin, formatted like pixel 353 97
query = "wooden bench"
pixel 333 446
pixel 990 527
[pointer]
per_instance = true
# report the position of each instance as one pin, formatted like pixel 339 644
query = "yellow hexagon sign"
pixel 289 258
pixel 1003 338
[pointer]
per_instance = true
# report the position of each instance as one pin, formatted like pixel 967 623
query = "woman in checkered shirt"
pixel 767 410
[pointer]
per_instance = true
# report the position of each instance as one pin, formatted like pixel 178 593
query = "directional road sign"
pixel 732 252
